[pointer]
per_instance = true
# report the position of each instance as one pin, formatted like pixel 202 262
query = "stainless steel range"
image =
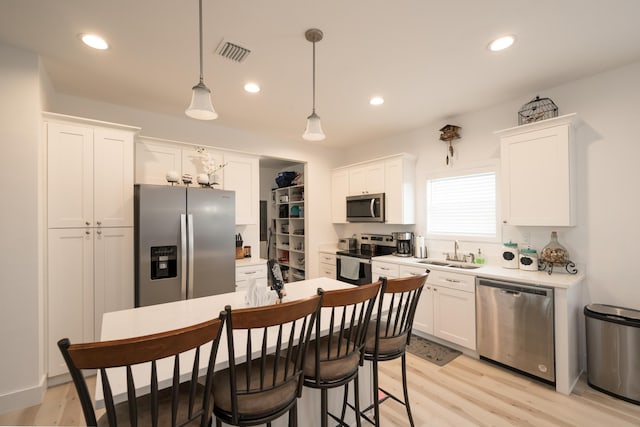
pixel 354 266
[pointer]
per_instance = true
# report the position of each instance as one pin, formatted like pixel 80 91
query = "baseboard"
pixel 24 398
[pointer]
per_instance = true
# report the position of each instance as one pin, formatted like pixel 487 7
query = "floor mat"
pixel 431 351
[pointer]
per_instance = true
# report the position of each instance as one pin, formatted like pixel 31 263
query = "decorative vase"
pixel 554 252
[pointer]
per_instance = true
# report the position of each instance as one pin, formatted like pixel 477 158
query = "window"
pixel 462 205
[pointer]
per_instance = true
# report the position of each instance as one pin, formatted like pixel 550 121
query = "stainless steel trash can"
pixel 613 350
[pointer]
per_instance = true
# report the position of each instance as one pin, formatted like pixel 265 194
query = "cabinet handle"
pixel 99 223
pixel 452 280
pixel 87 223
pixel 87 232
pixel 250 272
pixel 99 232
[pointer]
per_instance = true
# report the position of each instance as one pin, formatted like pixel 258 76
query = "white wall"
pixel 606 237
pixel 21 302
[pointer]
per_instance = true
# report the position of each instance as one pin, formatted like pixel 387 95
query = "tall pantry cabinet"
pixel 89 171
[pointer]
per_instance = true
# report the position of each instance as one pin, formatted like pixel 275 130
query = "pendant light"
pixel 313 132
pixel 201 107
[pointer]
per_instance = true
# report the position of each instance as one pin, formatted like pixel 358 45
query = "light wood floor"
pixel 465 392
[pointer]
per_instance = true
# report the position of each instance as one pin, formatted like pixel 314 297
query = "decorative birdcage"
pixel 537 109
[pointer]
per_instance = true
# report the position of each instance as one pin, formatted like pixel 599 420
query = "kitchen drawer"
pixel 251 272
pixel 407 270
pixel 463 282
pixel 327 259
pixel 385 269
pixel 327 270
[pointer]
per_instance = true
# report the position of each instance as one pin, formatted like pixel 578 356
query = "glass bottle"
pixel 554 252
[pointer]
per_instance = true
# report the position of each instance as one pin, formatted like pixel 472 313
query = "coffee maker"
pixel 404 243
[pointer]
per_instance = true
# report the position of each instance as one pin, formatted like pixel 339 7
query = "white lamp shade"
pixel 313 132
pixel 201 107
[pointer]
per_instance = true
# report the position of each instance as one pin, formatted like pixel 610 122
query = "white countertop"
pixel 245 262
pixel 558 279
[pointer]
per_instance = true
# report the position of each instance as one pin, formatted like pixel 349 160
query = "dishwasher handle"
pixel 514 287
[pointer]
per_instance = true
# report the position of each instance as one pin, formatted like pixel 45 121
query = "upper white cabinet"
pixel 89 173
pixel 366 179
pixel 394 176
pixel 155 157
pixel 538 173
pixel 339 193
pixel 154 160
pixel 242 175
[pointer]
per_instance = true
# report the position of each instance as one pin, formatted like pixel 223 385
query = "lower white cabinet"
pixel 245 274
pixel 327 265
pixel 89 272
pixel 446 308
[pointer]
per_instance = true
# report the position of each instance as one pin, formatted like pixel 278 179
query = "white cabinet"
pixel 339 193
pixel 446 308
pixel 248 273
pixel 538 173
pixel 90 220
pixel 242 175
pixel 113 275
pixel 327 265
pixel 384 269
pixel 399 189
pixel 394 176
pixel 90 272
pixel 366 179
pixel 154 160
pixel 89 174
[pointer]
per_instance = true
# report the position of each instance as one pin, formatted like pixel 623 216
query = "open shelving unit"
pixel 288 204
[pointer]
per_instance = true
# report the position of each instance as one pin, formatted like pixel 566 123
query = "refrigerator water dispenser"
pixel 164 262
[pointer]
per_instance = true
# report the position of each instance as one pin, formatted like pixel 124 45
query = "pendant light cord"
pixel 200 14
pixel 314 79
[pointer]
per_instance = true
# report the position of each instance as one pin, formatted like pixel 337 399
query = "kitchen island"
pixel 164 317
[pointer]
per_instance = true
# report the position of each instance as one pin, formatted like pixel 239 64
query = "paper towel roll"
pixel 419 247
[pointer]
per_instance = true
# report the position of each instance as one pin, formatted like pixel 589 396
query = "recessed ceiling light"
pixel 376 100
pixel 252 88
pixel 501 43
pixel 94 41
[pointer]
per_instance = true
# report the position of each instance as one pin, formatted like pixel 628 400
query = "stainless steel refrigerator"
pixel 184 243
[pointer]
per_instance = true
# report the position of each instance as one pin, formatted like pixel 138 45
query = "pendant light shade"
pixel 201 107
pixel 313 132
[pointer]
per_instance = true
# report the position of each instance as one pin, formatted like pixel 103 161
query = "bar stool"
pixel 267 381
pixel 333 360
pixel 182 403
pixel 389 334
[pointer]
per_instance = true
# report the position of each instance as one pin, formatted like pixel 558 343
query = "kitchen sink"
pixel 450 264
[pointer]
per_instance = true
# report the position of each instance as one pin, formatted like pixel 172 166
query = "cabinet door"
pixel 154 160
pixel 69 175
pixel 339 193
pixel 536 176
pixel 423 320
pixel 384 269
pixel 70 293
pixel 113 272
pixel 113 178
pixel 454 316
pixel 241 174
pixel 366 179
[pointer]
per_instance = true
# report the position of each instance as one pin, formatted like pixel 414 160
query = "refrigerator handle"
pixel 191 255
pixel 183 255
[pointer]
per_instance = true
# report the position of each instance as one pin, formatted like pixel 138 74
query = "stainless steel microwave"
pixel 365 208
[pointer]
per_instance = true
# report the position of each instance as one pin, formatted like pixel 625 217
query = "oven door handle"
pixel 361 260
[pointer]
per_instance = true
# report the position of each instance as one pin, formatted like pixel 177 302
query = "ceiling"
pixel 428 59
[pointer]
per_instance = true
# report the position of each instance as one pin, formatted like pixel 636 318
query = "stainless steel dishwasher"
pixel 514 326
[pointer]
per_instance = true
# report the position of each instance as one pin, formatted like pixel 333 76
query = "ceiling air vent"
pixel 232 51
